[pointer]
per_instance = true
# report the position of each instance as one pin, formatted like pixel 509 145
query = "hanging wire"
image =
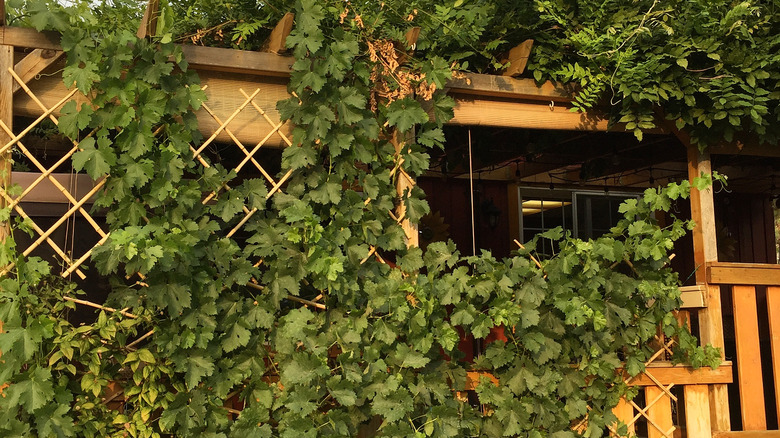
pixel 471 192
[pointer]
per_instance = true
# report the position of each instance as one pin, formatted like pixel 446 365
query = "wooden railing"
pixel 755 296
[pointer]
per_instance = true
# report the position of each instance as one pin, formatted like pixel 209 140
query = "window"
pixel 587 214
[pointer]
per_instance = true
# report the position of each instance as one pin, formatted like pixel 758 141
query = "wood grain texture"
pixel 773 308
pixel 29 38
pixel 666 374
pixel 693 297
pixel 705 250
pixel 511 114
pixel 223 98
pixel 504 86
pixel 752 274
pixel 748 434
pixel 659 415
pixel 276 42
pixel 751 387
pixel 624 411
pixel 34 63
pixel 6 115
pixel 148 27
pixel 518 58
pixel 697 410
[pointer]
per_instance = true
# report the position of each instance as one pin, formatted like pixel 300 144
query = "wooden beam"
pixel 751 387
pixel 504 86
pixel 237 61
pixel 46 192
pixel 509 114
pixel 2 23
pixel 223 98
pixel 34 63
pixel 751 274
pixel 518 58
pixel 668 374
pixel 29 38
pixel 693 297
pixel 276 42
pixel 6 116
pixel 148 27
pixel 748 434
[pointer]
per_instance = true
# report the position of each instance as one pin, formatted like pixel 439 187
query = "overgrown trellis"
pixel 413 291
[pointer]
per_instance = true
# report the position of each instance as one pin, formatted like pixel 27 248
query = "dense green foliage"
pixel 380 350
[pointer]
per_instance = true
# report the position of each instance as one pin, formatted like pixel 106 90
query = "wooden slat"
pixel 751 388
pixel 624 411
pixel 518 58
pixel 276 42
pixel 773 307
pixel 34 63
pixel 666 374
pixel 754 274
pixel 659 415
pixel 2 12
pixel 697 410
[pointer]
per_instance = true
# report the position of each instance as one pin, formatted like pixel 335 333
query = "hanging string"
pixel 471 191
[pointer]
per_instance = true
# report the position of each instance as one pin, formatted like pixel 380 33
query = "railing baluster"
pixel 773 307
pixel 751 387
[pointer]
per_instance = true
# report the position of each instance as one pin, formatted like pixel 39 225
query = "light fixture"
pixel 492 212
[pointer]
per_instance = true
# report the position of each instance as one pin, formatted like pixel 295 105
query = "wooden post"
pixel 705 250
pixel 6 115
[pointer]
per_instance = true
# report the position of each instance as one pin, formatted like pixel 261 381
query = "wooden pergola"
pixel 243 88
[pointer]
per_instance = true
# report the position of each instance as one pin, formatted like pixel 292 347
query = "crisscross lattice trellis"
pixel 249 155
pixel 658 397
pixel 71 262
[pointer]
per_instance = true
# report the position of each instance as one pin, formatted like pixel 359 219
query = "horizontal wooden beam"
pixel 474 111
pixel 224 97
pixel 508 87
pixel 752 274
pixel 29 38
pixel 694 297
pixel 663 372
pixel 748 434
pixel 237 61
pixel 46 192
pixel 667 374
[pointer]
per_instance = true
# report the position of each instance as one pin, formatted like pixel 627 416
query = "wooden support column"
pixel 6 115
pixel 705 250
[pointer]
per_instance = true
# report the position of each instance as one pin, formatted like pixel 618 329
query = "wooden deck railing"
pixel 755 296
